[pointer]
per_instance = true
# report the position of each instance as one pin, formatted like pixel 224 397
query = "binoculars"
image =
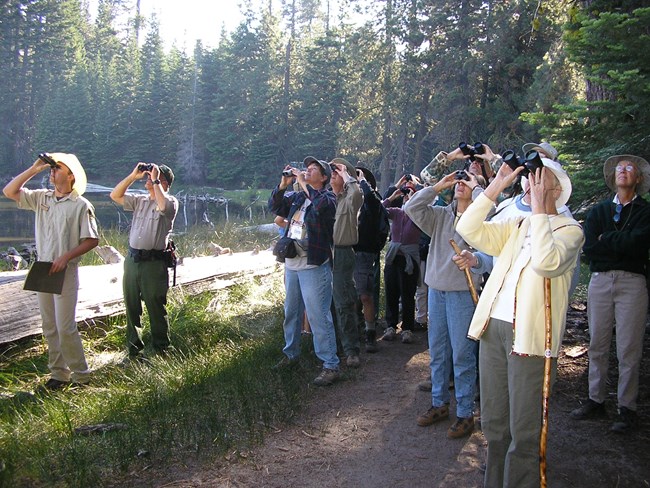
pixel 145 167
pixel 461 174
pixel 287 172
pixel 531 162
pixel 471 151
pixel 45 157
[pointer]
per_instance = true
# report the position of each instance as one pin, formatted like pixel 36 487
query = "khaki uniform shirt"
pixel 151 226
pixel 346 223
pixel 61 224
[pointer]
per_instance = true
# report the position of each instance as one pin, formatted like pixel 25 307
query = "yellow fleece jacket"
pixel 555 244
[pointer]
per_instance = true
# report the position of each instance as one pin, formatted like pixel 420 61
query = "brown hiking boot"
pixel 433 415
pixel 461 428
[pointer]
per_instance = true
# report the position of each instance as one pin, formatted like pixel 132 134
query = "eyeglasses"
pixel 617 215
pixel 629 168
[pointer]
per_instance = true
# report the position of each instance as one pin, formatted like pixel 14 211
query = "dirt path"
pixel 361 432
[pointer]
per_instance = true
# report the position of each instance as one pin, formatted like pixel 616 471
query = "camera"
pixel 45 157
pixel 471 151
pixel 531 162
pixel 461 174
pixel 145 167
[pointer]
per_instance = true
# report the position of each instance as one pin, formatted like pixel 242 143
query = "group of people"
pixel 66 229
pixel 529 245
pixel 522 253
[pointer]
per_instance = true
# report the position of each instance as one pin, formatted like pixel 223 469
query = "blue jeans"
pixel 450 313
pixel 310 290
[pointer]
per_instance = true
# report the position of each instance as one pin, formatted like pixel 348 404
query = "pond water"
pixel 17 226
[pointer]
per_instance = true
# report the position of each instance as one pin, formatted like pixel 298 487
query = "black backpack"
pixel 383 228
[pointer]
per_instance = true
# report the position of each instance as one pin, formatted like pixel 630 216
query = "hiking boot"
pixel 626 421
pixel 461 428
pixel 389 334
pixel 407 337
pixel 286 362
pixel 54 384
pixel 424 385
pixel 589 410
pixel 417 326
pixel 353 361
pixel 433 415
pixel 326 377
pixel 371 341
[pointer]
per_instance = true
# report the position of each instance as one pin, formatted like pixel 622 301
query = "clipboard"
pixel 38 278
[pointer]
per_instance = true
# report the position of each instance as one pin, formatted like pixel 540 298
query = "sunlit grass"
pixel 217 391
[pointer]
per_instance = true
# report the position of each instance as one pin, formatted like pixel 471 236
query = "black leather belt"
pixel 146 254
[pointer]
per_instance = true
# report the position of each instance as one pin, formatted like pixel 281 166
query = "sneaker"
pixel 424 385
pixel 389 334
pixel 589 410
pixel 353 361
pixel 433 415
pixel 54 384
pixel 371 341
pixel 626 421
pixel 286 362
pixel 461 428
pixel 407 337
pixel 326 377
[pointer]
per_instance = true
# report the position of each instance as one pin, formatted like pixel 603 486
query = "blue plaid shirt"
pixel 319 219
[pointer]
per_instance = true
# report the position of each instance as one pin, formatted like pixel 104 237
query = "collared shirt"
pixel 319 218
pixel 151 226
pixel 61 223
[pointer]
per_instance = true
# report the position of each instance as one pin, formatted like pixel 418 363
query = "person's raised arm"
pixel 13 188
pixel 117 195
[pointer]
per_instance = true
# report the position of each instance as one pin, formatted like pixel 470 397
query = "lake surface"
pixel 17 225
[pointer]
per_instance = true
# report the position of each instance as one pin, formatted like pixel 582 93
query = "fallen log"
pixel 100 288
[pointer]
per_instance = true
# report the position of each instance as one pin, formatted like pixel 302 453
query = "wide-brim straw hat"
pixel 609 171
pixel 73 164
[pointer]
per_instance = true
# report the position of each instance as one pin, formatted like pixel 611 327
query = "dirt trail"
pixel 361 432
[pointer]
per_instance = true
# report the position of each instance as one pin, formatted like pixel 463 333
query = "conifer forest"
pixel 298 78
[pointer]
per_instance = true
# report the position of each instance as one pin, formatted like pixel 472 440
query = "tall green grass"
pixel 216 392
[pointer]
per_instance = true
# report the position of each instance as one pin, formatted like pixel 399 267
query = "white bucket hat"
pixel 562 177
pixel 73 164
pixel 541 147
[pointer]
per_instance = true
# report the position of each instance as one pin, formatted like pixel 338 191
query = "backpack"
pixel 383 228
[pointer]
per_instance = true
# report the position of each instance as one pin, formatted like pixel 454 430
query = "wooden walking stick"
pixel 468 274
pixel 546 389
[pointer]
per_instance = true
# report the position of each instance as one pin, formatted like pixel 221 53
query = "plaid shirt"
pixel 319 219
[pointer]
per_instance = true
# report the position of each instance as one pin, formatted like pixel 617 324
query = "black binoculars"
pixel 405 190
pixel 45 157
pixel 531 162
pixel 472 151
pixel 145 167
pixel 461 174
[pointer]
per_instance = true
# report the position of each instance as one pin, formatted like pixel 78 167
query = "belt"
pixel 146 254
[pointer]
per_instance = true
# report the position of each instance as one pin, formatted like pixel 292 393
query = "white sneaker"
pixel 389 334
pixel 407 337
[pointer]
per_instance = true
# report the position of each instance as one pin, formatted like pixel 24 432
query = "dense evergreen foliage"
pixel 297 78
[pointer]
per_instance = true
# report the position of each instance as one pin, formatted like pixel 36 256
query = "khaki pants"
pixel 616 298
pixel 66 353
pixel 511 409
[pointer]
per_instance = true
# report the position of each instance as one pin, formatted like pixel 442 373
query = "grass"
pixel 216 393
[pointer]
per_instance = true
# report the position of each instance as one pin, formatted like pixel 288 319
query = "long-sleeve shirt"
pixel 346 223
pixel 319 219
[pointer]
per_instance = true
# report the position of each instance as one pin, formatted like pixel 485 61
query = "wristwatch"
pixel 156 182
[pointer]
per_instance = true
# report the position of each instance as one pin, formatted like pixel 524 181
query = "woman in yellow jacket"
pixel 509 318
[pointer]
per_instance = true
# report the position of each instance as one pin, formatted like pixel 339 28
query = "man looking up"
pixel 65 230
pixel 146 276
pixel 308 276
pixel 346 234
pixel 617 233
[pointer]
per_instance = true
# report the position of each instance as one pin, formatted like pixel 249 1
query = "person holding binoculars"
pixel 146 275
pixel 65 229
